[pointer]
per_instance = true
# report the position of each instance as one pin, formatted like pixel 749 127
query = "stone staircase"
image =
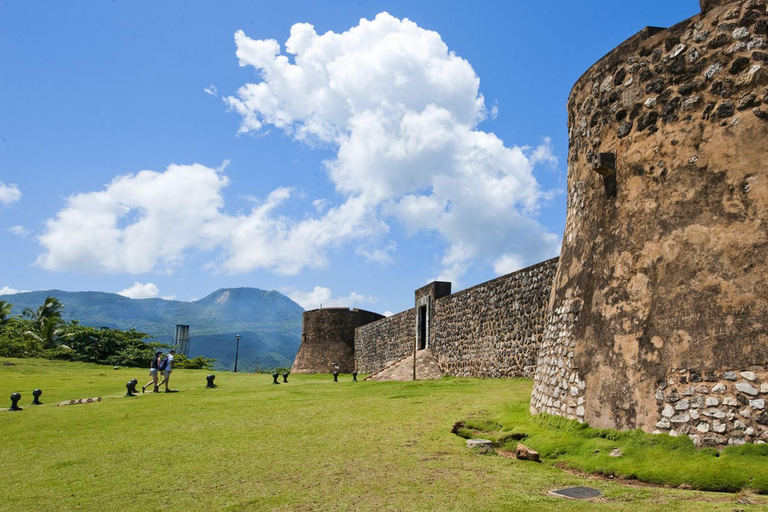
pixel 402 370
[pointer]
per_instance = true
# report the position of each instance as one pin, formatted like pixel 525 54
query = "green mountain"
pixel 268 322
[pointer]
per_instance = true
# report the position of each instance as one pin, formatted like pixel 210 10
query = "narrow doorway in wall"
pixel 422 327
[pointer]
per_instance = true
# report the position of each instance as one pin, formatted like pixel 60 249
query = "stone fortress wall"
pixel 493 329
pixel 659 309
pixel 327 339
pixel 381 343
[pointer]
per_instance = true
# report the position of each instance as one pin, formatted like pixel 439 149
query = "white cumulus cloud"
pixel 140 291
pixel 9 194
pixel 322 296
pixel 136 223
pixel 401 111
pixel 5 290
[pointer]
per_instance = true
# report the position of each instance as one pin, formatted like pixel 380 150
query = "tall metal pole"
pixel 237 351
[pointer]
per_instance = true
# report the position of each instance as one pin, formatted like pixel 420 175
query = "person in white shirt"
pixel 168 363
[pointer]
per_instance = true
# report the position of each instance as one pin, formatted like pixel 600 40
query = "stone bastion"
pixel 328 339
pixel 658 316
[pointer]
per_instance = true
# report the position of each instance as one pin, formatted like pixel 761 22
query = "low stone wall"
pixel 381 343
pixel 493 329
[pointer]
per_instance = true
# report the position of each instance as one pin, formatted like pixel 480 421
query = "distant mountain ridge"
pixel 269 322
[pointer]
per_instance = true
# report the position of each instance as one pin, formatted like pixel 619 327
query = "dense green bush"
pixel 15 343
pixel 42 333
pixel 196 363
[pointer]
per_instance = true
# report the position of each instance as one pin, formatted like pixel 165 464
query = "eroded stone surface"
pixel 669 269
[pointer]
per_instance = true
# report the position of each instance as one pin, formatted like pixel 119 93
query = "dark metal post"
pixel 354 375
pixel 15 402
pixel 129 386
pixel 237 351
pixel 210 378
pixel 285 376
pixel 36 393
pixel 275 375
pixel 336 376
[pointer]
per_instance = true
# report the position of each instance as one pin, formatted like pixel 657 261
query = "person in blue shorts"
pixel 153 370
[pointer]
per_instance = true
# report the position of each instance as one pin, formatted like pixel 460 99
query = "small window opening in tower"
pixel 605 165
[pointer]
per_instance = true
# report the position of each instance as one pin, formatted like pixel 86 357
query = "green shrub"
pixel 195 363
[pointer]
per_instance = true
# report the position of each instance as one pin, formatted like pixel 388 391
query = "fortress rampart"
pixel 658 317
pixel 493 329
pixel 328 339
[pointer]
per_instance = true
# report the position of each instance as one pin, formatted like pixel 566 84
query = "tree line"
pixel 44 333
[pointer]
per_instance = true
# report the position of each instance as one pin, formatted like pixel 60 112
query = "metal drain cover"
pixel 577 493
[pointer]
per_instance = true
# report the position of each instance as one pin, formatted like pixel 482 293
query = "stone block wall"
pixel 381 343
pixel 493 329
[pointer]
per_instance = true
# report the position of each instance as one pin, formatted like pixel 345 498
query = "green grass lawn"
pixel 310 444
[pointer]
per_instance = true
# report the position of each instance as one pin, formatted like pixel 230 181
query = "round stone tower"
pixel 328 339
pixel 658 317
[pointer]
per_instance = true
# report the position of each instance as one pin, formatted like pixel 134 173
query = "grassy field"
pixel 310 444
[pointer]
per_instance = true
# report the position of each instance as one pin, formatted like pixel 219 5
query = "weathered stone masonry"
pixel 490 330
pixel 327 339
pixel 659 309
pixel 381 343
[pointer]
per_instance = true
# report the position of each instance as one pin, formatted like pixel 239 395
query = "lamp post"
pixel 237 350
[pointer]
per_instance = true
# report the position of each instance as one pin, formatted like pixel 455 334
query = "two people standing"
pixel 166 366
pixel 160 364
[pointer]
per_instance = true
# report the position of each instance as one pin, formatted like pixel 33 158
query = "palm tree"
pixel 5 312
pixel 47 321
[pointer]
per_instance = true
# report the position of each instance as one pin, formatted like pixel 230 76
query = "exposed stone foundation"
pixel 558 388
pixel 714 408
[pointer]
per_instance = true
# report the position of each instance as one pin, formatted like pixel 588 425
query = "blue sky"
pixel 147 148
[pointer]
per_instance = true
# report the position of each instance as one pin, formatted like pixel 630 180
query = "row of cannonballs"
pixel 130 386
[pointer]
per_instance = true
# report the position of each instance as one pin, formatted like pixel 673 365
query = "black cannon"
pixel 15 397
pixel 131 387
pixel 36 393
pixel 210 379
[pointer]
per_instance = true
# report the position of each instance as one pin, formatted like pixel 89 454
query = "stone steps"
pixel 402 370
